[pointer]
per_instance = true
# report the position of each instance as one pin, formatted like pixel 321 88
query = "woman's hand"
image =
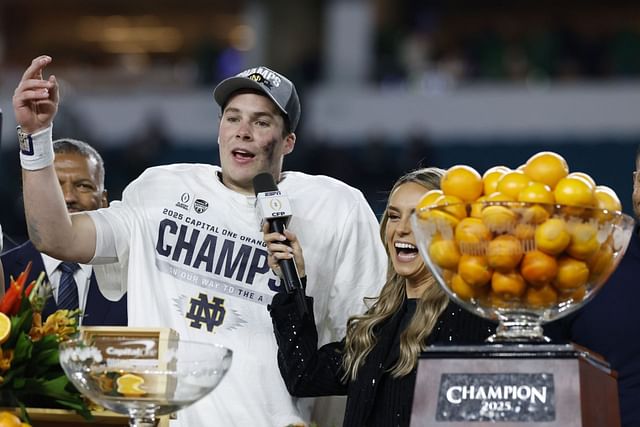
pixel 278 250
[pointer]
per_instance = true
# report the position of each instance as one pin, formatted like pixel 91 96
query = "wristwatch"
pixel 25 142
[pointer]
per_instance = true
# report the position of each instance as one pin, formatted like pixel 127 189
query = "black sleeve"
pixel 307 371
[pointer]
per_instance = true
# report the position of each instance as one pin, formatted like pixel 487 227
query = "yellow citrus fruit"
pixel 538 268
pixel 7 419
pixel 463 289
pixel 452 205
pixel 512 183
pixel 499 197
pixel 463 182
pixel 508 285
pixel 584 176
pixel 5 327
pixel 491 177
pixel 525 232
pixel 546 167
pixel 474 270
pixel 444 253
pixel 470 234
pixel 572 274
pixel 536 192
pixel 552 236
pixel 499 218
pixel 504 252
pixel 607 199
pixel 601 262
pixel 427 200
pixel 584 240
pixel 129 385
pixel 476 207
pixel 542 297
pixel 574 191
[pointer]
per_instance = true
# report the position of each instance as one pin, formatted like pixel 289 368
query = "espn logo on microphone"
pixel 273 204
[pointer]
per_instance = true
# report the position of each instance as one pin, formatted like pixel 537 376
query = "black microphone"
pixel 275 209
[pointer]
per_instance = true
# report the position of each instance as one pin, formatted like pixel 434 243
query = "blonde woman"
pixel 375 364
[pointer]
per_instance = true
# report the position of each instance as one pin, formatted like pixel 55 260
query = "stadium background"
pixel 386 86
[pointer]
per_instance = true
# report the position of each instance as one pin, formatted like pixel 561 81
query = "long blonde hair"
pixel 360 338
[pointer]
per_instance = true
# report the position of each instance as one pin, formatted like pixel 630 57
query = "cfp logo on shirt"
pixel 183 203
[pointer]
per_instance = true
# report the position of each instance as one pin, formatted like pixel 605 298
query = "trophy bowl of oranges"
pixel 522 247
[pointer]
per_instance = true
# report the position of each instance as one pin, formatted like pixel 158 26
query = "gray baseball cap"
pixel 274 85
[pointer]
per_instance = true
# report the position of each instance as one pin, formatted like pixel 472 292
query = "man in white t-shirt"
pixel 191 244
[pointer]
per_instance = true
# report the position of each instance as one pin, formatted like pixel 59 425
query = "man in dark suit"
pixel 80 171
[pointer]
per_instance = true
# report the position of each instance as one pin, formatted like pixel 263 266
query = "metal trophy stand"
pixel 514 385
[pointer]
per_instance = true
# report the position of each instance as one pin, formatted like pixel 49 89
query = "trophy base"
pixel 515 385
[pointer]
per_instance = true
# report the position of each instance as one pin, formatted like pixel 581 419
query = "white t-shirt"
pixel 184 234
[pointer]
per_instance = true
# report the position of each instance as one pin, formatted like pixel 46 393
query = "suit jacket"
pixel 98 310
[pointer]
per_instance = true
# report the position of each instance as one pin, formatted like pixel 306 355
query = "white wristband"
pixel 36 150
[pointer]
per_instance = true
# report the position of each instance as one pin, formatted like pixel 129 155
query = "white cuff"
pixel 36 150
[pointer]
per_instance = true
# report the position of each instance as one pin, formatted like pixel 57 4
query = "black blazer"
pixel 98 310
pixel 375 398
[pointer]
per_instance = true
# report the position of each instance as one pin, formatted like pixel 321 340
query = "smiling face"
pixel 400 240
pixel 252 140
pixel 80 182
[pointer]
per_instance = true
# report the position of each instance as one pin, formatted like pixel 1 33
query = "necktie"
pixel 68 290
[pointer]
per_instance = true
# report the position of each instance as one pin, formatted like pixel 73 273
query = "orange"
pixel 129 385
pixel 572 274
pixel 584 176
pixel 541 196
pixel 476 207
pixel 512 183
pixel 504 252
pixel 538 268
pixel 426 201
pixel 607 199
pixel 463 289
pixel 474 270
pixel 536 192
pixel 440 217
pixel 584 240
pixel 499 218
pixel 575 295
pixel 499 197
pixel 508 285
pixel 600 263
pixel 444 253
pixel 543 297
pixel 552 236
pixel 7 419
pixel 452 205
pixel 5 327
pixel 546 167
pixel 471 235
pixel 463 182
pixel 536 214
pixel 525 232
pixel 574 191
pixel 491 177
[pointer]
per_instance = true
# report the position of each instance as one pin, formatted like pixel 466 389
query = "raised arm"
pixel 51 229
